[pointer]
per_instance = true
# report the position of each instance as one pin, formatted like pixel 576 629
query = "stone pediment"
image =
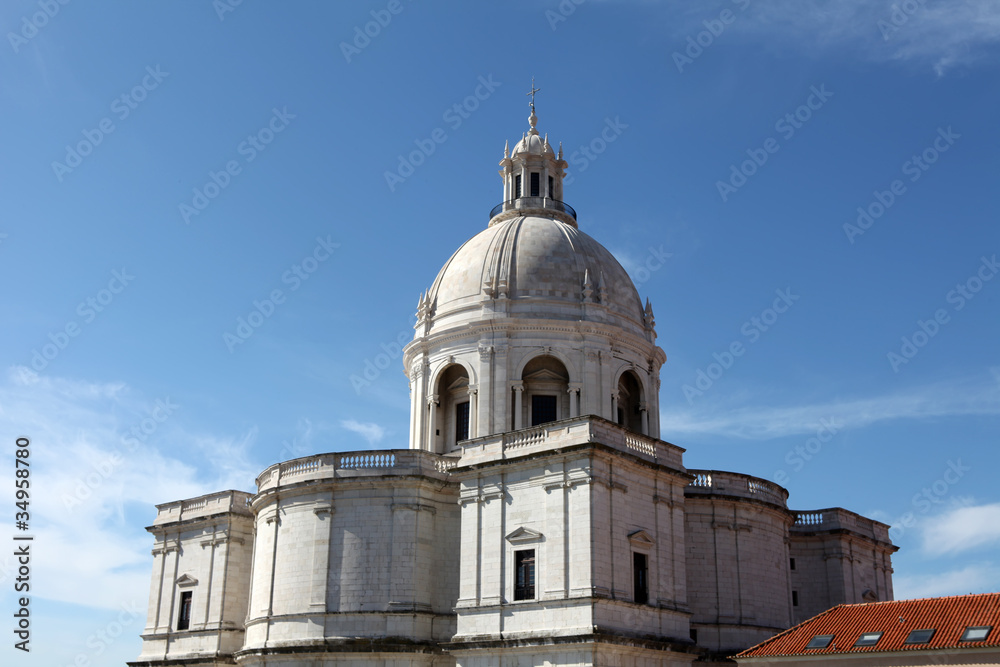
pixel 524 535
pixel 641 538
pixel 545 375
pixel 186 580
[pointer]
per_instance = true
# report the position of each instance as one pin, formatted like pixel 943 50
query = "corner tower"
pixel 530 321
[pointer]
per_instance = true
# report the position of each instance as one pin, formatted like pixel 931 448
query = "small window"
pixel 819 641
pixel 795 598
pixel 552 192
pixel 535 184
pixel 868 639
pixel 977 633
pixel 524 575
pixel 791 563
pixel 462 421
pixel 640 578
pixel 543 409
pixel 517 187
pixel 184 616
pixel 919 637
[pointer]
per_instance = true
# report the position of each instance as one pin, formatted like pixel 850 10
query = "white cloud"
pixel 765 422
pixel 89 476
pixel 961 529
pixel 373 433
pixel 973 578
pixel 936 33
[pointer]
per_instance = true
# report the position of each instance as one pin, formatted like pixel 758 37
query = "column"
pixel 574 399
pixel 644 412
pixel 614 407
pixel 518 411
pixel 432 402
pixel 473 411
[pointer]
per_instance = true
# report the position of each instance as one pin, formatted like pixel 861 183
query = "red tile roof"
pixel 948 616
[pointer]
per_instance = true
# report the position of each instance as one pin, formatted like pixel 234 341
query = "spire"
pixel 533 119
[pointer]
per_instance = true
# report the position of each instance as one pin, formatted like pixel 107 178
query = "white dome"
pixel 534 144
pixel 542 265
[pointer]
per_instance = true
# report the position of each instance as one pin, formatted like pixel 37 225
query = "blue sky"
pixel 717 148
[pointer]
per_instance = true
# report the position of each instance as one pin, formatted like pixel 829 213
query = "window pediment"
pixel 186 580
pixel 524 535
pixel 641 539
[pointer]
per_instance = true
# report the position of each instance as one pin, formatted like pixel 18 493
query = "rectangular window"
pixel 552 192
pixel 543 409
pixel 462 421
pixel 535 184
pixel 517 187
pixel 184 616
pixel 868 639
pixel 640 578
pixel 524 575
pixel 919 636
pixel 976 633
pixel 819 641
pixel 791 563
pixel 795 598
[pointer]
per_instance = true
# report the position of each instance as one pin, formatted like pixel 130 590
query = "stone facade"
pixel 537 518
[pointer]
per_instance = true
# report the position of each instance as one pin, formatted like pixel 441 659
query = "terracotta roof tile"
pixel 948 616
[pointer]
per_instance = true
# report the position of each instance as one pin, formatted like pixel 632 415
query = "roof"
pixel 947 616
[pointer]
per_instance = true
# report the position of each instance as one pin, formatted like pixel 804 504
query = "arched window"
pixel 629 402
pixel 546 383
pixel 453 409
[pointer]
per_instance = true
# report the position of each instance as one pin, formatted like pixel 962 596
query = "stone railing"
pixel 207 505
pixel 712 482
pixel 837 518
pixel 355 464
pixel 567 433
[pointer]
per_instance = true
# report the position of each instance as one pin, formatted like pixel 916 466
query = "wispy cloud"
pixel 94 486
pixel 973 578
pixel 373 433
pixel 961 529
pixel 761 422
pixel 936 33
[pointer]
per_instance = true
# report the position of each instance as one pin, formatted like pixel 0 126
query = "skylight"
pixel 976 633
pixel 819 641
pixel 868 639
pixel 919 637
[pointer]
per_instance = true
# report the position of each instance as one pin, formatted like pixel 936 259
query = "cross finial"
pixel 532 93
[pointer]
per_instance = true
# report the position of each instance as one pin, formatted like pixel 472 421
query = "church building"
pixel 536 517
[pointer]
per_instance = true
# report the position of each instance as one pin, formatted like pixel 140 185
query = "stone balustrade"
pixel 203 506
pixel 567 433
pixel 837 518
pixel 720 482
pixel 373 463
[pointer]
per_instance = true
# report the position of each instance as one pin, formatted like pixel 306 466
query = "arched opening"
pixel 630 402
pixel 453 418
pixel 545 395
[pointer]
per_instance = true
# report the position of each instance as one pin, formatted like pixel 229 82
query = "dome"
pixel 534 144
pixel 547 268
